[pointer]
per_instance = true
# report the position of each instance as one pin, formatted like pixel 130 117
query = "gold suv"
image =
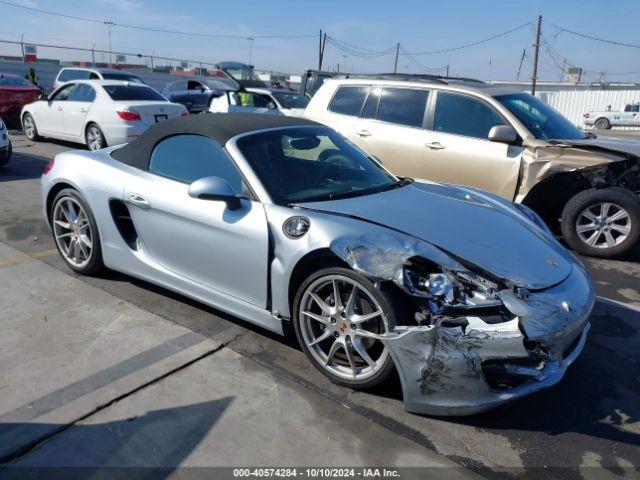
pixel 504 141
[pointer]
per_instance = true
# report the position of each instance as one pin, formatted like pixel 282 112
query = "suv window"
pixel 348 100
pixel 73 74
pixel 464 115
pixel 187 158
pixel 402 106
pixel 82 93
pixel 63 93
pixel 632 108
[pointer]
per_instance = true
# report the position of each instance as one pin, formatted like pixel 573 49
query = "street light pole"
pixel 250 39
pixel 109 25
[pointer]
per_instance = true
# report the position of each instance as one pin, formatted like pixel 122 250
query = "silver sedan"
pixel 280 220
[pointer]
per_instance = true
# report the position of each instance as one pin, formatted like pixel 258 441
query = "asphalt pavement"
pixel 112 371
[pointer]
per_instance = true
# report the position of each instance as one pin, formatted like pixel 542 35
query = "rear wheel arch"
pixel 57 188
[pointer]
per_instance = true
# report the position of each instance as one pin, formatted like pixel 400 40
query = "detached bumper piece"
pixel 476 365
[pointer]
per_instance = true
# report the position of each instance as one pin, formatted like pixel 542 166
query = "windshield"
pixel 244 73
pixel 219 84
pixel 291 100
pixel 303 164
pixel 126 77
pixel 539 118
pixel 133 92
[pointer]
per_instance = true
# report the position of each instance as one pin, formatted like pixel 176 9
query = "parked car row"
pixel 459 131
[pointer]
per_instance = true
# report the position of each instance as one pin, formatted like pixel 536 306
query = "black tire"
pixel 35 136
pixel 95 263
pixel 391 306
pixel 93 128
pixel 602 124
pixel 6 156
pixel 620 197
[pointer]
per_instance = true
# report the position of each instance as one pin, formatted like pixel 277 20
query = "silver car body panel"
pixel 241 262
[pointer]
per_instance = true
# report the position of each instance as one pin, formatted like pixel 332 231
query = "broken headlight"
pixel 446 289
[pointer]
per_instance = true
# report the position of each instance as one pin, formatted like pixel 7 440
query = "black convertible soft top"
pixel 220 127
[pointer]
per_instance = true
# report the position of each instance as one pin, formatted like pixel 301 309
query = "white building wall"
pixel 574 104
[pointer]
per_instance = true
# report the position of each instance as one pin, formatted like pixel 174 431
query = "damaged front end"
pixel 474 342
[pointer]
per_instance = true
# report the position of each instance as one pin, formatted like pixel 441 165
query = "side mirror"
pixel 271 106
pixel 43 96
pixel 215 188
pixel 503 134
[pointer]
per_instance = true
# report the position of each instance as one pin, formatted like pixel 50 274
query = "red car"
pixel 15 92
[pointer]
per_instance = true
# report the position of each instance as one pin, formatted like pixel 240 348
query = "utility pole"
pixel 320 51
pixel 524 52
pixel 536 53
pixel 323 42
pixel 395 65
pixel 93 55
pixel 22 47
pixel 250 39
pixel 447 74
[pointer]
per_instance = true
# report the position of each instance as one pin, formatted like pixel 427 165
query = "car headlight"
pixel 447 289
pixel 534 217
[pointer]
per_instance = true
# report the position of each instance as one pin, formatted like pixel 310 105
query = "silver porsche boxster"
pixel 279 220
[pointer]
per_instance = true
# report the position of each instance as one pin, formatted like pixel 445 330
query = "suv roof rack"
pixel 413 77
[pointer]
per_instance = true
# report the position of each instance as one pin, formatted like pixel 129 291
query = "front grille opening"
pixel 503 375
pixel 124 224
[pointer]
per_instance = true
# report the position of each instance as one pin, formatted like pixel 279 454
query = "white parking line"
pixel 632 306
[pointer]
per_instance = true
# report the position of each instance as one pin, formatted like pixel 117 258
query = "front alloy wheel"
pixel 338 314
pixel 602 222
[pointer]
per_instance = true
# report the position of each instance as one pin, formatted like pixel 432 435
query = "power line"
pixel 472 44
pixel 597 39
pixel 420 65
pixel 357 53
pixel 150 29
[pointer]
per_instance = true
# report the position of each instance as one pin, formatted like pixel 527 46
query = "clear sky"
pixel 376 25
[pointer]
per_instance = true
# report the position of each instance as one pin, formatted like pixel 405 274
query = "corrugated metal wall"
pixel 573 104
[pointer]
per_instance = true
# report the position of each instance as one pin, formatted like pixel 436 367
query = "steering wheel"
pixel 334 159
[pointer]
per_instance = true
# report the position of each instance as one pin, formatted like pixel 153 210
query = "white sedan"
pixel 97 113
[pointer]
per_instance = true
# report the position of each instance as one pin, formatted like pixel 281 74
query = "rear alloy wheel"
pixel 603 124
pixel 76 233
pixel 29 127
pixel 337 314
pixel 602 223
pixel 94 138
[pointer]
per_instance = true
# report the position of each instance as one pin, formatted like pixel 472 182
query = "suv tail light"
pixel 48 166
pixel 184 113
pixel 131 116
pixel 586 115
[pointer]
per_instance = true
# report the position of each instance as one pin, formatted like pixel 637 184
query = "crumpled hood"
pixel 475 227
pixel 622 145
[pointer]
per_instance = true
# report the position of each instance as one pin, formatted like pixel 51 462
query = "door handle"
pixel 59 109
pixel 363 133
pixel 83 110
pixel 434 146
pixel 139 201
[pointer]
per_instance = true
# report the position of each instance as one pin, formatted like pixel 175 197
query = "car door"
pixel 200 240
pixel 51 114
pixel 631 116
pixel 391 128
pixel 76 108
pixel 198 95
pixel 179 94
pixel 457 148
pixel 344 108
